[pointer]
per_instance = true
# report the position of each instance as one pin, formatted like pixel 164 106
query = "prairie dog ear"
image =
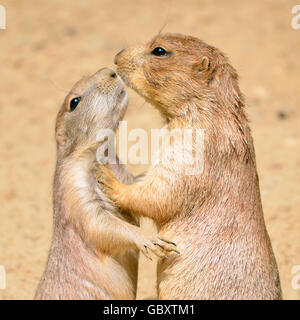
pixel 60 138
pixel 203 64
pixel 202 67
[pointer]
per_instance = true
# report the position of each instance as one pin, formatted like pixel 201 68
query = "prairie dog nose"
pixel 113 74
pixel 117 56
pixel 106 73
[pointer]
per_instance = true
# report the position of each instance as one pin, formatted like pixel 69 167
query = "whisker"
pixel 56 86
pixel 166 21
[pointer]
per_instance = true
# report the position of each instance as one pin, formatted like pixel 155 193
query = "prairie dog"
pixel 215 217
pixel 94 249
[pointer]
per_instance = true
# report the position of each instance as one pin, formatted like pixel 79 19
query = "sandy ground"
pixel 48 45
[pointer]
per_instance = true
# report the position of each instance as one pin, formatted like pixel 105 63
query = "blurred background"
pixel 49 44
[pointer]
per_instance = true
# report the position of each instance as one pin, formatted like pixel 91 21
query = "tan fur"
pixel 216 217
pixel 94 251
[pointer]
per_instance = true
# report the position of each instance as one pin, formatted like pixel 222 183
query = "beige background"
pixel 48 45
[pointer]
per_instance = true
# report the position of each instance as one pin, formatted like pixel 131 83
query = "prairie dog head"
pixel 95 103
pixel 172 69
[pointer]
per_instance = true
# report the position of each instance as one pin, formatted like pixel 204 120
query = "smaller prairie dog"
pixel 215 216
pixel 94 251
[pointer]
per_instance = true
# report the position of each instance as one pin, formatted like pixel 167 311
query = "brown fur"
pixel 216 217
pixel 94 249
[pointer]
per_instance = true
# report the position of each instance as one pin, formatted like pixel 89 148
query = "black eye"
pixel 159 51
pixel 74 103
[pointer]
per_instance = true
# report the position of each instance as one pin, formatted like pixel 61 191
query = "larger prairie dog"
pixel 95 247
pixel 215 217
